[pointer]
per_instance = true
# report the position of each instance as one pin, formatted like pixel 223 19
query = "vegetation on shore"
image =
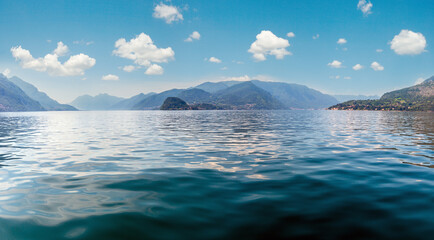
pixel 415 98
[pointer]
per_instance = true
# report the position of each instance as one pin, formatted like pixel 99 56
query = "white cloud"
pixel 214 60
pixel 61 49
pixel 365 7
pixel 144 52
pixel 129 68
pixel 193 36
pixel 342 41
pixel 357 67
pixel 379 50
pixel 240 78
pixel 154 69
pixel 75 65
pixel 82 42
pixel 6 72
pixel 335 64
pixel 168 13
pixel 268 44
pixel 376 66
pixel 419 81
pixel 408 43
pixel 224 68
pixel 315 36
pixel 348 78
pixel 110 77
pixel 290 35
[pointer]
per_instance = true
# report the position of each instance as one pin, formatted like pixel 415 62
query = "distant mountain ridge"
pixel 419 97
pixel 14 99
pixel 253 94
pixel 99 102
pixel 128 104
pixel 41 97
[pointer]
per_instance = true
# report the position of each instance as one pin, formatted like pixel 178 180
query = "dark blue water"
pixel 217 175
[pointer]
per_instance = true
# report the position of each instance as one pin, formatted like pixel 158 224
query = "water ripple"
pixel 216 175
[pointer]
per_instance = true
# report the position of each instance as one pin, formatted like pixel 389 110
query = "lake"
pixel 216 175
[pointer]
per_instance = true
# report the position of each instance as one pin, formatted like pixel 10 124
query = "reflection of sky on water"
pixel 55 163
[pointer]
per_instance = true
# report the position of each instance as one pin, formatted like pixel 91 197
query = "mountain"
pixel 253 94
pixel 155 101
pixel 99 102
pixel 195 95
pixel 296 96
pixel 13 99
pixel 191 96
pixel 129 103
pixel 415 98
pixel 212 87
pixel 422 90
pixel 247 95
pixel 174 103
pixel 344 98
pixel 46 102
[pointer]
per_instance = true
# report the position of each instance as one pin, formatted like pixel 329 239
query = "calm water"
pixel 216 175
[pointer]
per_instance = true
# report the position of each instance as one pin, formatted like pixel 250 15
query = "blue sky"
pixel 401 30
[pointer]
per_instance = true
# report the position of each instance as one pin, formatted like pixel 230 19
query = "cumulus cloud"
pixel 408 43
pixel 143 52
pixel 75 65
pixel 110 77
pixel 335 64
pixel 365 7
pixel 6 72
pixel 269 44
pixel 357 67
pixel 240 78
pixel 290 35
pixel 376 66
pixel 167 12
pixel 129 68
pixel 193 36
pixel 379 50
pixel 342 41
pixel 214 60
pixel 82 42
pixel 348 78
pixel 61 49
pixel 315 36
pixel 154 69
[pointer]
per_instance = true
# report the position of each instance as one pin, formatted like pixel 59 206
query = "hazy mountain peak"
pixel 13 98
pixel 101 101
pixel 41 97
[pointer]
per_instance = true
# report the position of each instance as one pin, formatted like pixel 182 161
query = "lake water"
pixel 216 175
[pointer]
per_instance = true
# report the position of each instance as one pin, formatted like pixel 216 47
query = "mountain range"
pixel 225 95
pixel 98 102
pixel 17 95
pixel 419 97
pixel 253 94
pixel 41 97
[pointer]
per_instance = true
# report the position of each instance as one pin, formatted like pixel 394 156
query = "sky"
pixel 68 48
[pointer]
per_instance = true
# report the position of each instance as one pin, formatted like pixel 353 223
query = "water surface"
pixel 216 175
